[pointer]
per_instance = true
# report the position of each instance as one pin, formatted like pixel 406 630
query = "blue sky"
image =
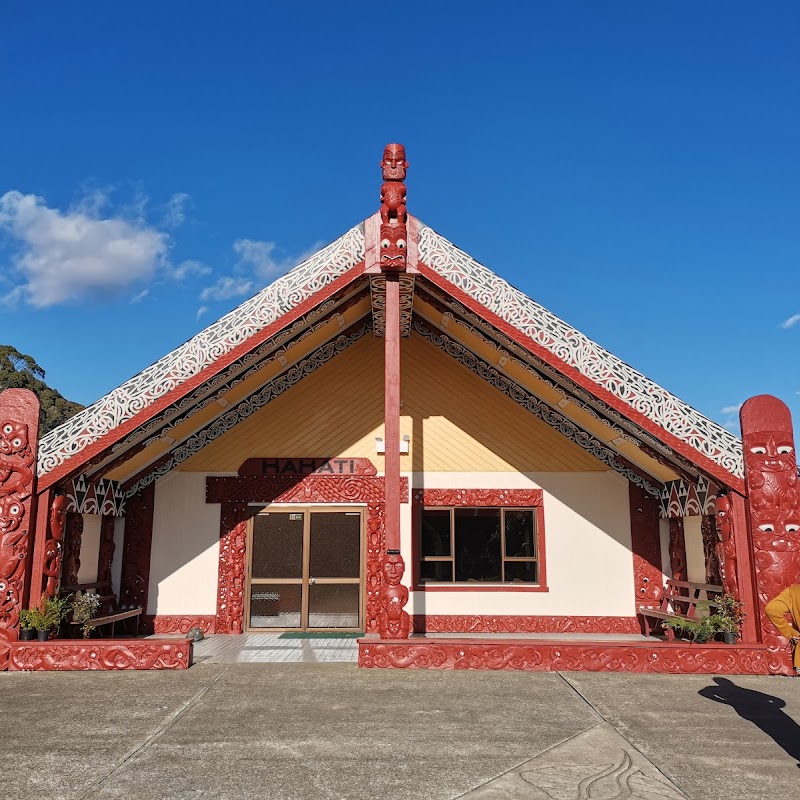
pixel 631 166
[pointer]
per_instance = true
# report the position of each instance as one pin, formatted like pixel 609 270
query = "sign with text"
pixel 307 466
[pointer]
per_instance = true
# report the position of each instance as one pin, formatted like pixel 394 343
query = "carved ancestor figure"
pixel 773 501
pixel 393 247
pixel 394 622
pixel 708 530
pixel 393 233
pixel 727 544
pixel 16 458
pixel 54 545
pixel 677 549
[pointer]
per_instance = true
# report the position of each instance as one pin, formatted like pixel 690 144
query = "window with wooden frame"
pixel 479 545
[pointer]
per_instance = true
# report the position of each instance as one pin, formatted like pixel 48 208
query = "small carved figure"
pixel 728 544
pixel 394 622
pixel 52 552
pixel 16 458
pixel 393 202
pixel 393 247
pixel 394 164
pixel 11 513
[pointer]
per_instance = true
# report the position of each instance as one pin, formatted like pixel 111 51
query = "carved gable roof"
pixel 492 301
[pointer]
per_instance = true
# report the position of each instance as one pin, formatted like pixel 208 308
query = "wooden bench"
pixel 109 612
pixel 681 599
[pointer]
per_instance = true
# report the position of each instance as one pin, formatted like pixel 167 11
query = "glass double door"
pixel 305 569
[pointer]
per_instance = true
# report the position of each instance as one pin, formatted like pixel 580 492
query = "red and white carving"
pixel 520 498
pixel 727 545
pixel 646 547
pixel 54 545
pixel 184 623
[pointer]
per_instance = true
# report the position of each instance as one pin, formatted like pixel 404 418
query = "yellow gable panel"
pixel 456 421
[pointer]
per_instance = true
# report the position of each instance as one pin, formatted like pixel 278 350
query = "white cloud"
pixel 75 254
pixel 175 210
pixel 137 298
pixel 227 287
pixel 791 322
pixel 200 311
pixel 260 257
pixel 732 409
pixel 187 268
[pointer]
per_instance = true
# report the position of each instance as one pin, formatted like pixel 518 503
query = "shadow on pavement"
pixel 763 710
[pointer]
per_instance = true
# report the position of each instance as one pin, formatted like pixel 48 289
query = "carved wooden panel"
pixel 184 623
pixel 443 623
pixel 726 547
pixel 72 548
pixel 101 654
pixel 136 549
pixel 708 528
pixel 646 548
pixel 106 553
pixel 712 659
pixel 773 502
pixel 19 432
pixel 677 549
pixel 522 498
pixel 54 546
pixel 232 568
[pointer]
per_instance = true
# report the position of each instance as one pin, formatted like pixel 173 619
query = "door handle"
pixel 312 581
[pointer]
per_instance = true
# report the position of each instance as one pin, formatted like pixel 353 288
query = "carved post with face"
pixel 727 545
pixel 773 502
pixel 19 431
pixel 393 231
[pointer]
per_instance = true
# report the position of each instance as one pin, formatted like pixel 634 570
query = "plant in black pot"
pixel 27 630
pixel 701 629
pixel 730 617
pixel 48 615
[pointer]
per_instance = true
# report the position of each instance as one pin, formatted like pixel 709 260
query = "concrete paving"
pixel 297 731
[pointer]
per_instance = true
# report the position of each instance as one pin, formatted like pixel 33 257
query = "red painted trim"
pixel 101 654
pixel 648 580
pixel 115 435
pixel 183 623
pixel 547 656
pixel 578 378
pixel 477 498
pixel 745 569
pixel 448 623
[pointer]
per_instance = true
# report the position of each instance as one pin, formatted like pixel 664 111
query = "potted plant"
pixel 701 629
pixel 84 606
pixel 26 626
pixel 730 617
pixel 48 615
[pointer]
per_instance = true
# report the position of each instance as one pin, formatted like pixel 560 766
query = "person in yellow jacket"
pixel 787 602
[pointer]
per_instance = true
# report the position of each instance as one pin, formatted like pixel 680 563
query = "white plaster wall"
pixel 184 559
pixel 695 554
pixel 116 561
pixel 587 547
pixel 90 548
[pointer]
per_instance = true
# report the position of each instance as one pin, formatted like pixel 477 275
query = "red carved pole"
pixel 745 569
pixel 19 432
pixel 54 547
pixel 393 621
pixel 232 568
pixel 72 548
pixel 135 581
pixel 773 503
pixel 726 546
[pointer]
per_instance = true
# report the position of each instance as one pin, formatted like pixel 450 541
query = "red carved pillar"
pixel 19 435
pixel 376 543
pixel 135 582
pixel 677 549
pixel 726 545
pixel 54 545
pixel 232 568
pixel 393 621
pixel 773 504
pixel 106 553
pixel 646 547
pixel 72 548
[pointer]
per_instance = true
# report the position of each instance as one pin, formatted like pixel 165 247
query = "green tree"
pixel 19 371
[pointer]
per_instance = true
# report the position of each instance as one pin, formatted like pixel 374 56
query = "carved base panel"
pixel 442 623
pixel 184 623
pixel 105 654
pixel 541 656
